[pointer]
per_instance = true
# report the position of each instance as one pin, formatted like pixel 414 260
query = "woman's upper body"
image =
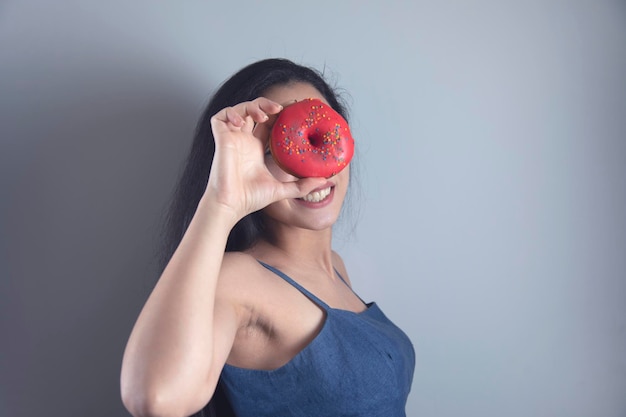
pixel 212 307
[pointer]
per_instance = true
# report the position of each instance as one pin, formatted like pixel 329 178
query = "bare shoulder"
pixel 239 276
pixel 235 262
pixel 238 268
pixel 341 267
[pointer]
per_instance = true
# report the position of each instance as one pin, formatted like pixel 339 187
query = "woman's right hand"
pixel 239 180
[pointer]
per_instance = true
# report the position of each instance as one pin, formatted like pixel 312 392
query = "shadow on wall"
pixel 88 161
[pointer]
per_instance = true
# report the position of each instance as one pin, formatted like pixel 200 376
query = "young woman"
pixel 253 302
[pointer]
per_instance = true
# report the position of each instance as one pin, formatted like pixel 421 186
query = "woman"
pixel 253 297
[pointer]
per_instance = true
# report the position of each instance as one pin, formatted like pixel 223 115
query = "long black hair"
pixel 247 84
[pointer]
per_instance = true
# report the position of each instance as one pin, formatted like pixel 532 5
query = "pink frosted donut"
pixel 310 139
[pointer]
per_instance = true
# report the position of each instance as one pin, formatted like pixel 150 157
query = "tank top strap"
pixel 299 287
pixel 348 285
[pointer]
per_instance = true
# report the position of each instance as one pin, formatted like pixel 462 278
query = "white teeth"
pixel 317 196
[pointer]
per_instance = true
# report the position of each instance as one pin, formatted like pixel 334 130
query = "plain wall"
pixel 491 160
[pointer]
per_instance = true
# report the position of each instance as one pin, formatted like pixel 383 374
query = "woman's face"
pixel 317 211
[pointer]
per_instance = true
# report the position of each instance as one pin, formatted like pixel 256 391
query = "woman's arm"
pixel 183 335
pixel 186 329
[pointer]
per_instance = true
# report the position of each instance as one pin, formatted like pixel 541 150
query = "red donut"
pixel 310 139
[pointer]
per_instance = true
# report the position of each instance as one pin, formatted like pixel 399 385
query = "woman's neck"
pixel 308 248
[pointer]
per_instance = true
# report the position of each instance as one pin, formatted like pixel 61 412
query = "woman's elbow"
pixel 148 403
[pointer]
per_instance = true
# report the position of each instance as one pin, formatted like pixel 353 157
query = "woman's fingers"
pixel 262 130
pixel 262 108
pixel 231 116
pixel 247 113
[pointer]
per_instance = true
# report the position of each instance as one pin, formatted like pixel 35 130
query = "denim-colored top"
pixel 359 364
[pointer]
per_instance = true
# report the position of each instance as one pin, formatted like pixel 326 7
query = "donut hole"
pixel 316 139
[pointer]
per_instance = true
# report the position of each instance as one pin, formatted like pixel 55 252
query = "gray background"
pixel 491 157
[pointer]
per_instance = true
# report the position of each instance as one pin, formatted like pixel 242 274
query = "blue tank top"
pixel 358 365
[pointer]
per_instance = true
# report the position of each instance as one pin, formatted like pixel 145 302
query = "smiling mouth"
pixel 317 196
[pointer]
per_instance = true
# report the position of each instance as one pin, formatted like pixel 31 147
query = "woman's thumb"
pixel 302 187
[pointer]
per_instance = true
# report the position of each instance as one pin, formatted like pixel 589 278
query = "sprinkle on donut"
pixel 310 139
